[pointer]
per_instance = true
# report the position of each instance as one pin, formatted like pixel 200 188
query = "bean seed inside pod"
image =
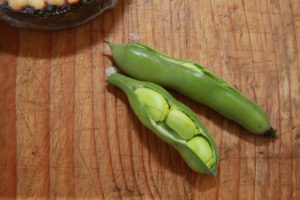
pixel 155 103
pixel 203 149
pixel 181 124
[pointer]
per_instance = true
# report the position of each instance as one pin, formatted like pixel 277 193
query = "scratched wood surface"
pixel 65 134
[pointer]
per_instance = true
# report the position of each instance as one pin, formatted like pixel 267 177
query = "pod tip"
pixel 111 45
pixel 270 133
pixel 213 173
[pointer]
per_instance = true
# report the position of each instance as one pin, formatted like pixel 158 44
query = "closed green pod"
pixel 172 121
pixel 194 81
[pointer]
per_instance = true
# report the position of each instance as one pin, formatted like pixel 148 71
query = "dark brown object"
pixel 58 19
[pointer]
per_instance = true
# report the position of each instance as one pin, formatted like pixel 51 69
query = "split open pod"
pixel 170 120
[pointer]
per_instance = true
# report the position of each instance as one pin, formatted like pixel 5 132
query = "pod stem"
pixel 111 70
pixel 118 80
pixel 270 133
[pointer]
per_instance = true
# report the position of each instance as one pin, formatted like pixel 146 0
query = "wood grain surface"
pixel 64 133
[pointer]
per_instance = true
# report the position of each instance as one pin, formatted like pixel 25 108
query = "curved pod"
pixel 199 152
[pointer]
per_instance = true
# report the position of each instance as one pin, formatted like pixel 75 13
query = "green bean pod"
pixel 171 121
pixel 194 81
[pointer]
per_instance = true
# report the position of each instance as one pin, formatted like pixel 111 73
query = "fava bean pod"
pixel 172 121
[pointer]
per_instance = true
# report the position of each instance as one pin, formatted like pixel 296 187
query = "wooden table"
pixel 65 134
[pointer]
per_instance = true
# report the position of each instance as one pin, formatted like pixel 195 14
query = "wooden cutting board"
pixel 65 134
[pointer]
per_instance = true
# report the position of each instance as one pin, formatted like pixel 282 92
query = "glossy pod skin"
pixel 192 80
pixel 189 147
